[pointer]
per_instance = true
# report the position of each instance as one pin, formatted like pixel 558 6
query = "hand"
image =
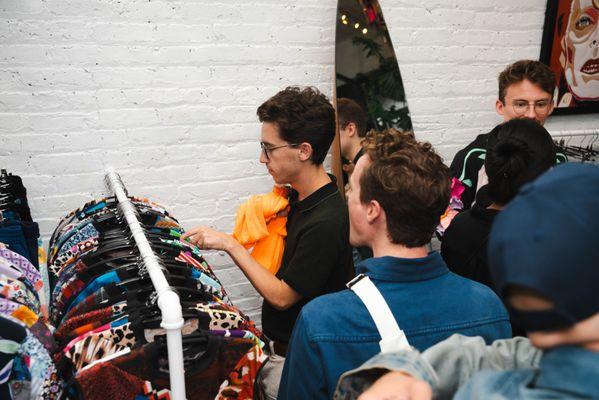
pixel 348 168
pixel 398 386
pixel 207 238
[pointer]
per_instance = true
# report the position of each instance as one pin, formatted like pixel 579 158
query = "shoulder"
pixel 459 231
pixel 462 220
pixel 481 294
pixel 480 142
pixel 331 207
pixel 472 151
pixel 327 311
pixel 322 307
pixel 329 215
pixel 468 226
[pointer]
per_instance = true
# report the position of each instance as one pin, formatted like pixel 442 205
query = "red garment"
pixel 203 377
pixel 105 381
pixel 63 333
pixel 241 381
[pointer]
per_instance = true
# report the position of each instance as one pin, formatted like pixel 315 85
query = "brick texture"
pixel 166 92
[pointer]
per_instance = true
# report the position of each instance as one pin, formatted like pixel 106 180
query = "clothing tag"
pixel 188 328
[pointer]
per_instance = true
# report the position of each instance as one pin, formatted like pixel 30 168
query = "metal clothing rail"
pixel 576 133
pixel 168 301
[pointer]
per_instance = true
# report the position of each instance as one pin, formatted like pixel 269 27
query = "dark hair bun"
pixel 520 151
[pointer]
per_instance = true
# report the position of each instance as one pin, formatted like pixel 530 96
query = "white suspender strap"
pixel 392 337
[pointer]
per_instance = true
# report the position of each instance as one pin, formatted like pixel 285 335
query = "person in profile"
pixel 298 127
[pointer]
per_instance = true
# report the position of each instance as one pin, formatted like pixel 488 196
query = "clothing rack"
pixel 579 132
pixel 585 148
pixel 3 185
pixel 168 301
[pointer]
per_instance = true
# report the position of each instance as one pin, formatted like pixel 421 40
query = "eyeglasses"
pixel 266 149
pixel 541 107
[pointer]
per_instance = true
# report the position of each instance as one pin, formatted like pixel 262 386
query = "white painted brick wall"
pixel 450 54
pixel 166 92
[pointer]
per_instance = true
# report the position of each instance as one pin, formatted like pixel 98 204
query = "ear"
pixel 499 107
pixel 305 151
pixel 552 104
pixel 352 129
pixel 374 211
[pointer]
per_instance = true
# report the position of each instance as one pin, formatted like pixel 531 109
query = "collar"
pixel 357 157
pixel 570 369
pixel 324 192
pixel 403 269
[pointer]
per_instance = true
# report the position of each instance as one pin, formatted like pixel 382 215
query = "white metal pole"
pixel 168 301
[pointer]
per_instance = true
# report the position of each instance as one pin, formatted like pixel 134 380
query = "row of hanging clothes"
pixel 109 340
pixel 27 370
pixel 17 230
pixel 579 147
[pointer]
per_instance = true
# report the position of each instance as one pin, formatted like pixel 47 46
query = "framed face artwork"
pixel 570 47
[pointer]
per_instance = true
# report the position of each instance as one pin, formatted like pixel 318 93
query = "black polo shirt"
pixel 317 259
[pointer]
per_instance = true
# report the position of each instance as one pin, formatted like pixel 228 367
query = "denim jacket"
pixel 466 368
pixel 335 333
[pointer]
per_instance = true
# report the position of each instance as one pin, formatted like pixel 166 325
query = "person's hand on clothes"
pixel 398 386
pixel 207 238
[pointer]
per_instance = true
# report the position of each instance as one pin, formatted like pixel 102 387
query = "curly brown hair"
pixel 410 182
pixel 534 71
pixel 302 115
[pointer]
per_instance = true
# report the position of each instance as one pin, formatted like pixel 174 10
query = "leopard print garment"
pixel 91 349
pixel 220 318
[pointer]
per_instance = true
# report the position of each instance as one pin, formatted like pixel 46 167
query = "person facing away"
pixel 526 90
pixel 543 257
pixel 398 191
pixel 298 127
pixel 520 150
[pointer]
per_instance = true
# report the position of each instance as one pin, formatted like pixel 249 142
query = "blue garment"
pixel 93 286
pixel 335 333
pixel 564 372
pixel 20 235
pixel 11 234
pixel 464 368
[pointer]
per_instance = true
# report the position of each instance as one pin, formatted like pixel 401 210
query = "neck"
pixel 383 247
pixel 310 180
pixel 354 150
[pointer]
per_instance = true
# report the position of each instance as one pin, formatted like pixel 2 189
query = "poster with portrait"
pixel 571 49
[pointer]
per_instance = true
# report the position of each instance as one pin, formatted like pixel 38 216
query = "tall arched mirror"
pixel 367 76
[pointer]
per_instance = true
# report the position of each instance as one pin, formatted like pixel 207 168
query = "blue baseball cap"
pixel 546 240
